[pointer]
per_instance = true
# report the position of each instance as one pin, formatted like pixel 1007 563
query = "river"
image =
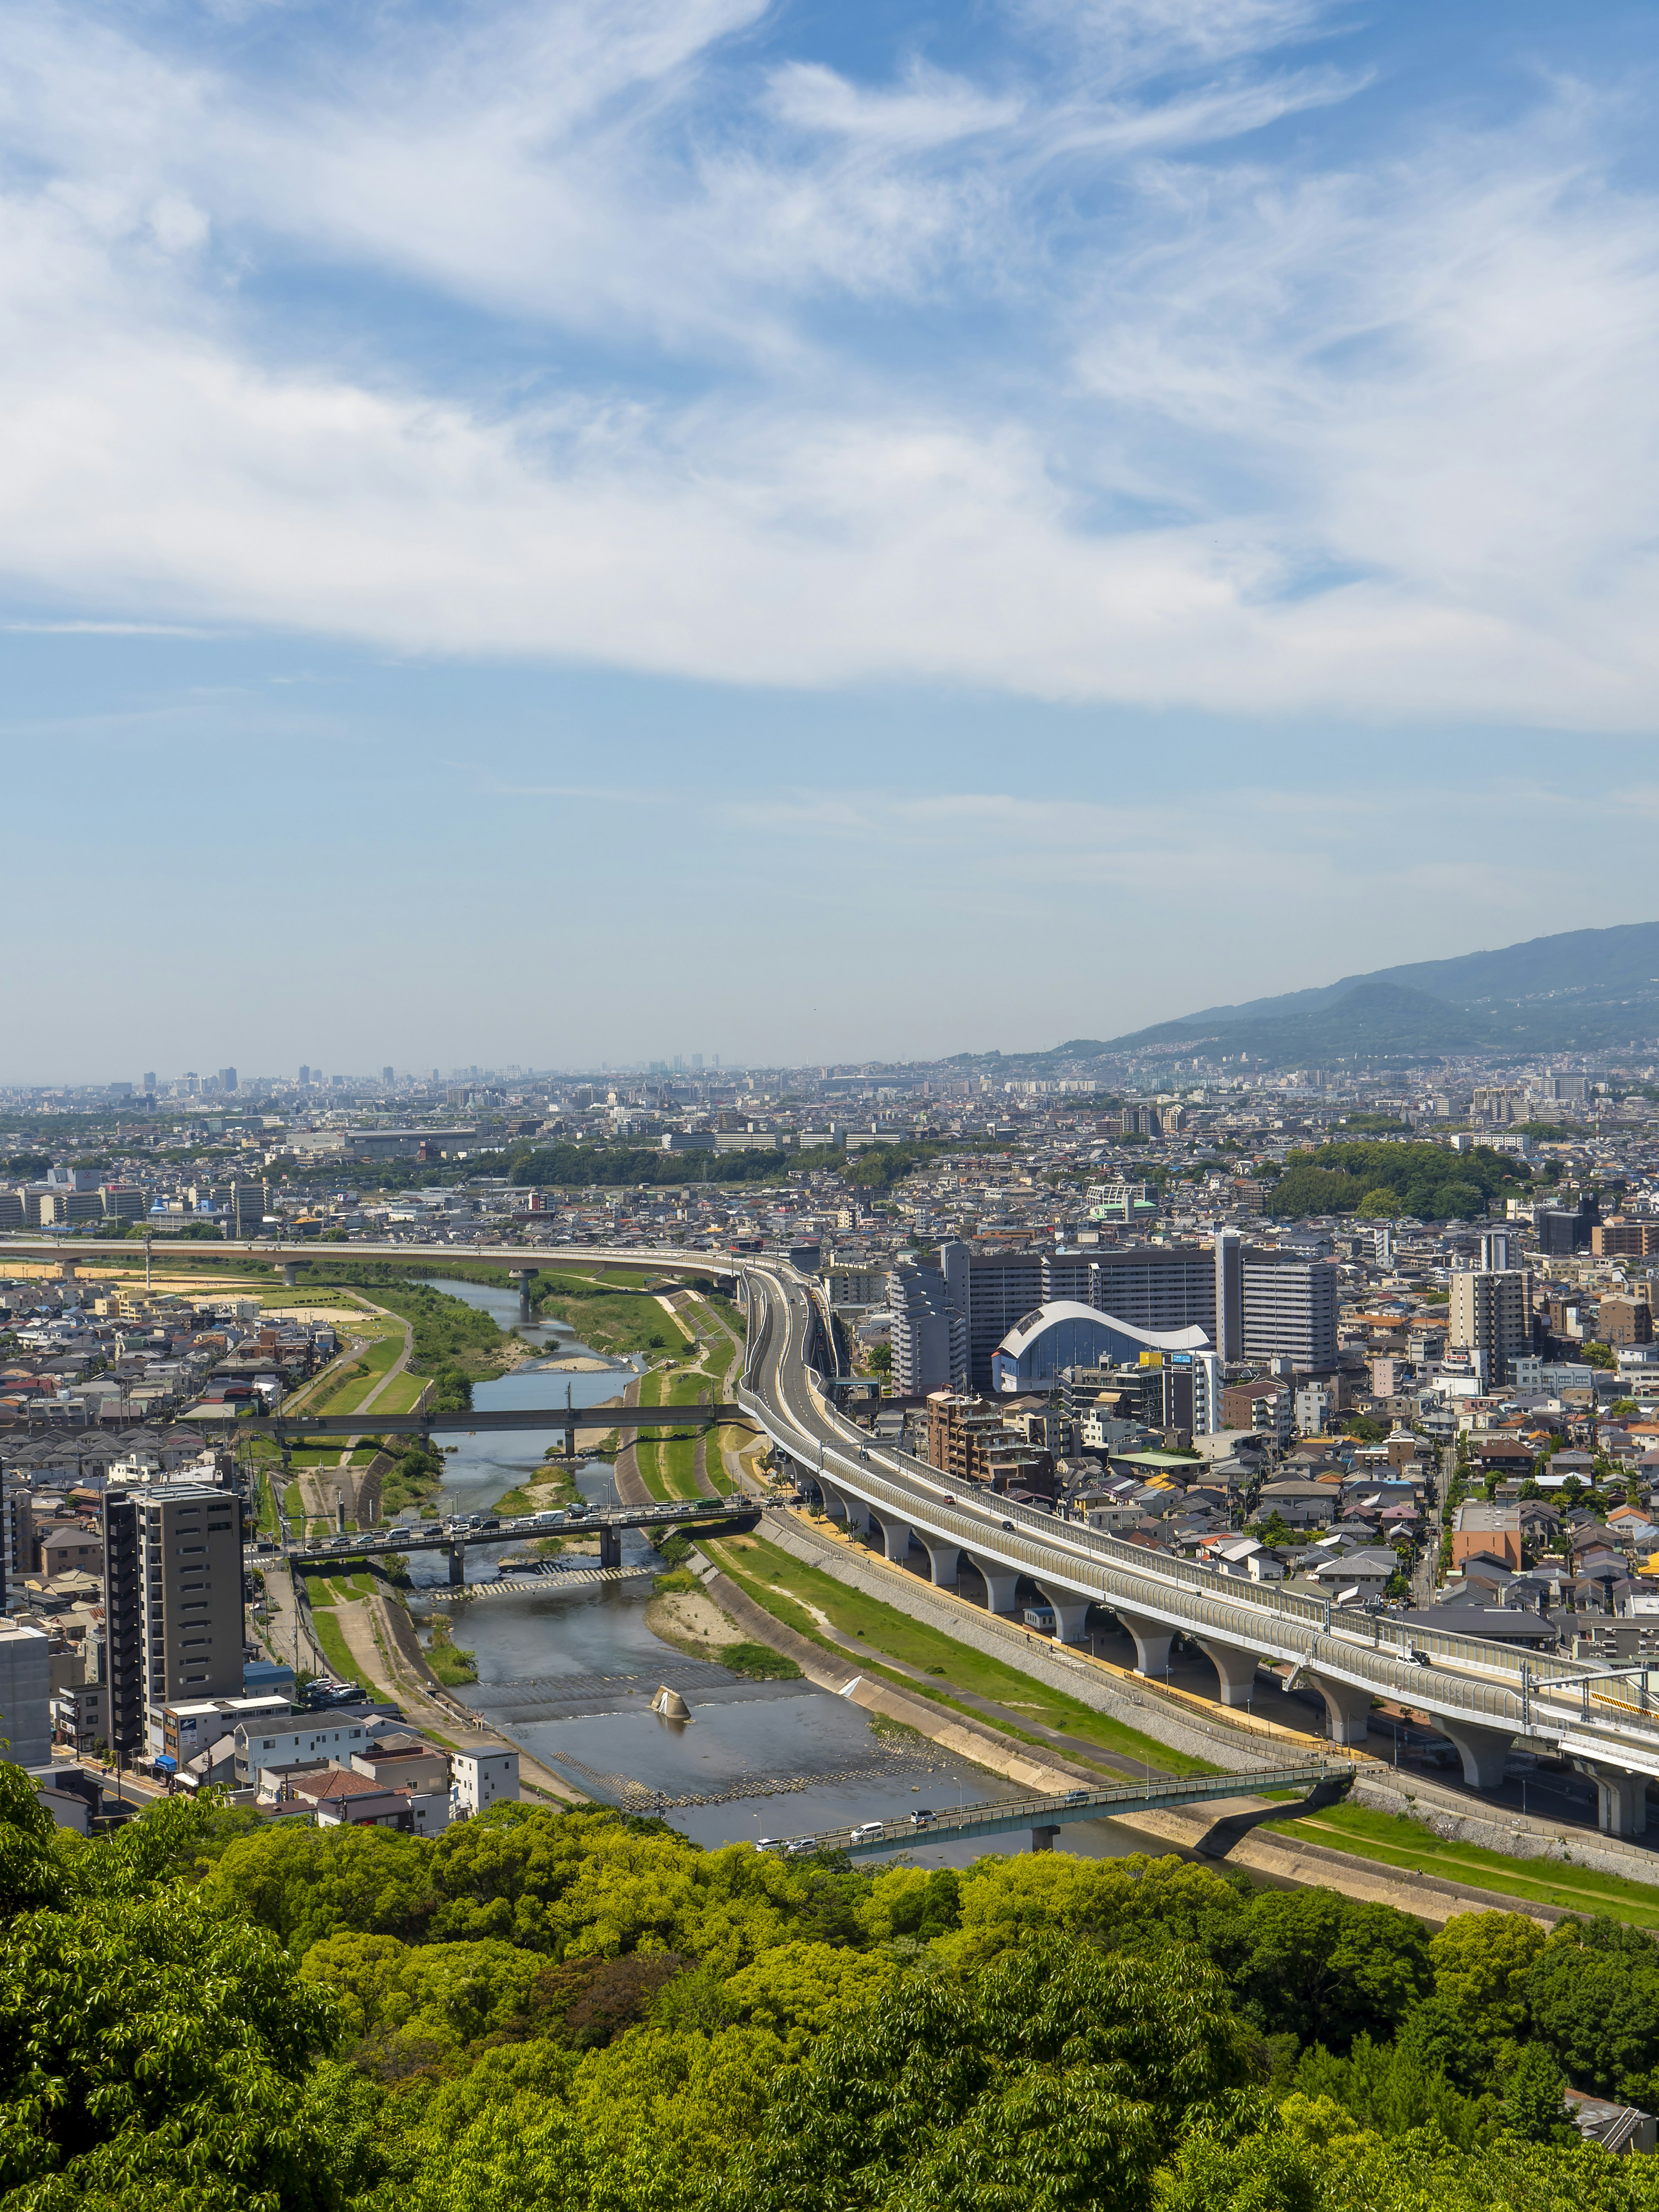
pixel 570 1675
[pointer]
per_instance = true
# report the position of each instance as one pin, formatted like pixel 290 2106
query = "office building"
pixel 1290 1311
pixel 386 1075
pixel 247 1204
pixel 1490 1316
pixel 173 1602
pixel 227 1078
pixel 929 1333
pixel 990 1291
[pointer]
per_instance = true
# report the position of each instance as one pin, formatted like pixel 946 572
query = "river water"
pixel 570 1675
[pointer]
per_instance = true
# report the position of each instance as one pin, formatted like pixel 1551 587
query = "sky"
pixel 571 533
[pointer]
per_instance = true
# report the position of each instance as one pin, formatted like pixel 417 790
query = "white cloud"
pixel 1239 434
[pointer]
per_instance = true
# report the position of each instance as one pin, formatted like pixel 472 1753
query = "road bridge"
pixel 1324 1782
pixel 607 1522
pixel 1482 1696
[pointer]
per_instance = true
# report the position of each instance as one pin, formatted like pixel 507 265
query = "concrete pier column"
pixel 1621 1799
pixel 1070 1614
pixel 895 1541
pixel 339 1512
pixel 1350 1709
pixel 1482 1750
pixel 523 1276
pixel 1236 1667
pixel 457 1565
pixel 291 1272
pixel 841 1505
pixel 942 1559
pixel 1151 1644
pixel 1000 1582
pixel 610 1548
pixel 1043 1839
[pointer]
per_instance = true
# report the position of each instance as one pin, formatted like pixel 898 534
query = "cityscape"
pixel 830 1108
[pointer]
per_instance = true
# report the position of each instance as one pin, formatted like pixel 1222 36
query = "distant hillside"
pixel 1585 989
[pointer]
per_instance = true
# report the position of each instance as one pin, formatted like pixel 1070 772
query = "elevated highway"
pixel 1482 1696
pixel 73 1251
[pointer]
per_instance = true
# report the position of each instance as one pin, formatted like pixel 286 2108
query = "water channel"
pixel 569 1674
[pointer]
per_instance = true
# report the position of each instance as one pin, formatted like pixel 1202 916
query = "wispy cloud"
pixel 1041 372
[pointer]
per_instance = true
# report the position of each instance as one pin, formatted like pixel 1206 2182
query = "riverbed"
pixel 570 1675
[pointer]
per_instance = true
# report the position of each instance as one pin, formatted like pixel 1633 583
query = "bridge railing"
pixel 1039 1536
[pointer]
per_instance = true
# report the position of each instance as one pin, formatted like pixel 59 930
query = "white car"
pixel 871 1832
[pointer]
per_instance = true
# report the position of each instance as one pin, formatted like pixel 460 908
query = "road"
pixel 1481 1695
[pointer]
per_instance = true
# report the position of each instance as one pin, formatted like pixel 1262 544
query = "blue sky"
pixel 561 532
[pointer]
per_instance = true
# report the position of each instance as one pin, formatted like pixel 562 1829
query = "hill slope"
pixel 1582 990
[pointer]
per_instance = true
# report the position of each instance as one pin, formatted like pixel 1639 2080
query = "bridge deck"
pixel 1121 1801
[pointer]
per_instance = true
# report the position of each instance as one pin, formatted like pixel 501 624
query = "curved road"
pixel 1482 1695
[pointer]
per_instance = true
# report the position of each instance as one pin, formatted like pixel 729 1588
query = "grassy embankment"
pixel 324 1593
pixel 668 1464
pixel 804 1598
pixel 608 1314
pixel 1394 1841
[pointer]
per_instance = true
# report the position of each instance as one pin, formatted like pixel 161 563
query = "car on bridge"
pixel 872 1832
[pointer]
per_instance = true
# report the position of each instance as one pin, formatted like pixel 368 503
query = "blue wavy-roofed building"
pixel 1066 1335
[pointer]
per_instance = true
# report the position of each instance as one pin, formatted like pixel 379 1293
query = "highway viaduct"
pixel 522 1261
pixel 1482 1696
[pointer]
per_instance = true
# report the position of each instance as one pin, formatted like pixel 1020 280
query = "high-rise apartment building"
pixel 227 1078
pixel 173 1602
pixel 1228 1334
pixel 930 1332
pixel 386 1075
pixel 1490 1315
pixel 1290 1311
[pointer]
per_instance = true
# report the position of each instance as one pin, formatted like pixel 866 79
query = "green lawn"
pixel 757 1565
pixel 1394 1841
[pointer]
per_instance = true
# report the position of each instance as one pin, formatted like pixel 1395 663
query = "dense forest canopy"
pixel 1426 1180
pixel 581 2010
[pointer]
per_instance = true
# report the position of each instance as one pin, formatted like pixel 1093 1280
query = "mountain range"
pixel 1585 990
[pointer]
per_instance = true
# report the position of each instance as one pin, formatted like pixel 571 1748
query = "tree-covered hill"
pixel 1426 1180
pixel 582 2012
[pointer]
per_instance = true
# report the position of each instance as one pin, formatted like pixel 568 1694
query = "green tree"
pixel 1055 2079
pixel 154 2052
pixel 1327 1968
pixel 1481 1963
pixel 1593 1995
pixel 1534 2105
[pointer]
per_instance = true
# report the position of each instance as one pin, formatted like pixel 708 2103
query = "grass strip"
pixel 331 1636
pixel 755 1565
pixel 1392 1840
